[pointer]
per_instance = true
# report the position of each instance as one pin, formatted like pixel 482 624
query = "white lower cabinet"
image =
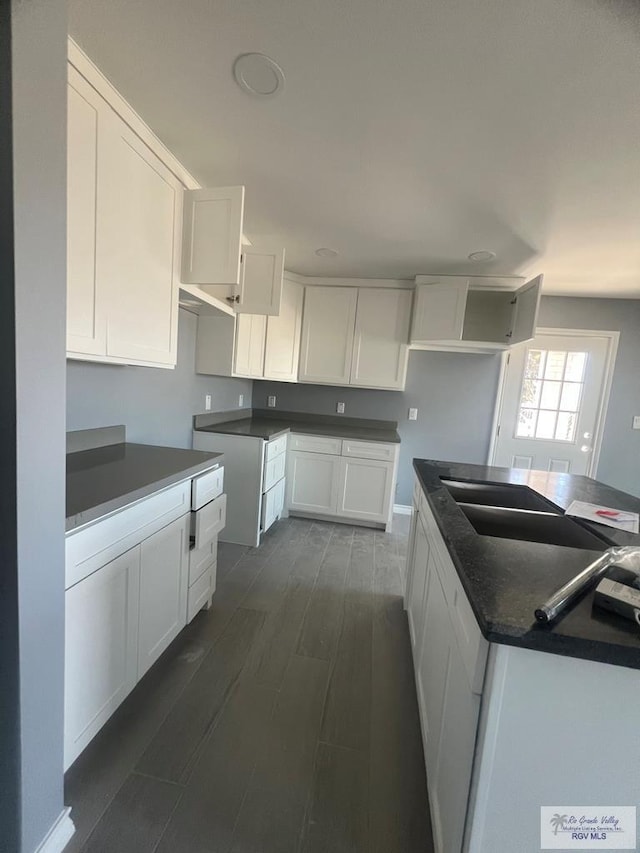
pixel 365 489
pixel 101 648
pixel 416 589
pixel 313 482
pixel 164 568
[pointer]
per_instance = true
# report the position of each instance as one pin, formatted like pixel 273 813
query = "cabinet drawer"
pixel 199 593
pixel 275 448
pixel 274 471
pixel 369 450
pixel 201 558
pixel 209 521
pixel 316 444
pixel 206 487
pixel 272 505
pixel 95 546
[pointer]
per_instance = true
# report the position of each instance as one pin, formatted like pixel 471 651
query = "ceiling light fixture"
pixel 482 255
pixel 258 75
pixel 326 253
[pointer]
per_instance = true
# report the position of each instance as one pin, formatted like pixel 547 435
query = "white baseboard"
pixel 59 835
pixel 402 509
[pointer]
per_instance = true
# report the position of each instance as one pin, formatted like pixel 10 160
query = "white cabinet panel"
pixel 201 558
pixel 416 592
pixel 200 592
pixel 275 447
pixel 101 648
pixel 273 504
pixel 316 443
pixel 163 590
pixel 282 349
pixel 365 489
pixel 274 470
pixel 260 280
pixel 381 350
pixel 209 521
pixel 525 314
pixel 439 310
pixel 249 345
pixel 312 482
pixel 327 335
pixel 86 317
pixel 212 235
pixel 369 449
pixel 138 250
pixel 206 487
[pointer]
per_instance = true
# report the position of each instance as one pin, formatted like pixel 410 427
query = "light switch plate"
pixel 636 421
pixel 340 408
pixel 207 403
pixel 271 401
pixel 241 400
pixel 413 414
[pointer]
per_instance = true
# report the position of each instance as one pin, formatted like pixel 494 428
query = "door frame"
pixel 612 351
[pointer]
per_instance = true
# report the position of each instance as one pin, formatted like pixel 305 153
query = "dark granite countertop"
pixel 104 479
pixel 505 580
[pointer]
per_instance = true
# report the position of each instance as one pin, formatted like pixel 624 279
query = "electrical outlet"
pixel 271 401
pixel 241 400
pixel 340 408
pixel 413 414
pixel 636 421
pixel 207 403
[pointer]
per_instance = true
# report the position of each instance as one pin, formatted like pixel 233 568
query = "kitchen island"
pixel 516 715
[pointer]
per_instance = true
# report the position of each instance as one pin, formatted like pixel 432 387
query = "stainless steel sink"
pixel 530 526
pixel 498 494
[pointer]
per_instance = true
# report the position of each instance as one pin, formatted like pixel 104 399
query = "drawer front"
pixel 316 444
pixel 369 450
pixel 95 546
pixel 206 487
pixel 209 521
pixel 272 505
pixel 201 558
pixel 199 593
pixel 275 448
pixel 274 471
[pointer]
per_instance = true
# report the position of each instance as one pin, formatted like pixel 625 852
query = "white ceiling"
pixel 409 132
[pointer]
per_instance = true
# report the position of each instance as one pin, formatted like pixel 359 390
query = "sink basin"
pixel 498 494
pixel 548 528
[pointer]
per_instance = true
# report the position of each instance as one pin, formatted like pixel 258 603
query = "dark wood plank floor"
pixel 283 720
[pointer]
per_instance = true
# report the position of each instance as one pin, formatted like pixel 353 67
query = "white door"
pixel 553 397
pixel 260 289
pixel 164 574
pixel 312 482
pixel 138 248
pixel 380 350
pixel 282 349
pixel 364 490
pixel 86 317
pixel 212 235
pixel 249 345
pixel 101 648
pixel 327 334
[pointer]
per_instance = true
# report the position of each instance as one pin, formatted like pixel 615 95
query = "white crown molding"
pixel 329 281
pixel 59 835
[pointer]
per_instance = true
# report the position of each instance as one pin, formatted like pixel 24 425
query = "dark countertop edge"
pixel 540 641
pixel 301 428
pixel 97 513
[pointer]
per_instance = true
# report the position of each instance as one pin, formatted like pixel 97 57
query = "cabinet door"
pixel 101 648
pixel 525 311
pixel 138 244
pixel 164 575
pixel 212 235
pixel 415 610
pixel 249 345
pixel 261 274
pixel 380 350
pixel 312 482
pixel 327 334
pixel 411 545
pixel 438 313
pixel 282 350
pixel 365 489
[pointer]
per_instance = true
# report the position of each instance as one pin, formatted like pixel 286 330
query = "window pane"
pixel 546 425
pixel 531 393
pixel 575 366
pixel 570 396
pixel 555 365
pixel 566 426
pixel 534 366
pixel 550 395
pixel 526 423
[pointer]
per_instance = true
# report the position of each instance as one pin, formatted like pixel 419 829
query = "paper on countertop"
pixel 618 518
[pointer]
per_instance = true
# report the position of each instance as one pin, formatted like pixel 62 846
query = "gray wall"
pixel 39 136
pixel 156 405
pixel 455 394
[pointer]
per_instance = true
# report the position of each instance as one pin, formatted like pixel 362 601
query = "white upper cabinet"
pixel 449 314
pixel 249 345
pixel 381 351
pixel 212 235
pixel 282 349
pixel 261 274
pixel 327 335
pixel 86 316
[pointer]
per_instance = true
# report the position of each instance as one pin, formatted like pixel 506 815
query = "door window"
pixel 551 394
